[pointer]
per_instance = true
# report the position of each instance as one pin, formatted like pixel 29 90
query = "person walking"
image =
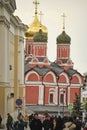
pixel 20 116
pixel 59 123
pixel 26 120
pixel 9 121
pixel 20 123
pixel 48 123
pixel 0 120
pixel 36 123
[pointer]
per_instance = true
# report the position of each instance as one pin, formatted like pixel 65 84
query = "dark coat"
pixel 0 119
pixel 78 124
pixel 36 124
pixel 59 123
pixel 19 125
pixel 47 124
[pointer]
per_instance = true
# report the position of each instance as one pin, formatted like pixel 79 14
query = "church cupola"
pixel 40 44
pixel 40 36
pixel 63 42
pixel 35 25
pixel 63 38
pixel 36 36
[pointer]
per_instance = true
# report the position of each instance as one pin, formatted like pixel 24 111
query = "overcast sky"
pixel 75 25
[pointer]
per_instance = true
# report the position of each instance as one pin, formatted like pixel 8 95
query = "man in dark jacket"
pixel 36 123
pixel 47 123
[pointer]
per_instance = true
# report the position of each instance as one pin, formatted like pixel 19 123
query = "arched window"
pixel 62 98
pixel 29 49
pixel 51 97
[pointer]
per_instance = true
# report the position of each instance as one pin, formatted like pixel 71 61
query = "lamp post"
pixel 43 91
pixel 63 102
pixel 58 110
pixel 58 97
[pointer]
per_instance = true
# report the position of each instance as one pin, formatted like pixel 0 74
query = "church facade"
pixel 49 83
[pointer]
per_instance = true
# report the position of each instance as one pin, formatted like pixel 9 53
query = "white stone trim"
pixel 68 95
pixel 27 75
pixel 29 83
pixel 66 76
pixel 54 76
pixel 41 94
pixel 79 78
pixel 78 85
pixel 34 63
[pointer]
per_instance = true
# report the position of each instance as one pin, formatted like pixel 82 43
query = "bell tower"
pixel 63 42
pixel 35 26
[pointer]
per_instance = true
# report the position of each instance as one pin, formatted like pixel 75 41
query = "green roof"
pixel 63 38
pixel 40 36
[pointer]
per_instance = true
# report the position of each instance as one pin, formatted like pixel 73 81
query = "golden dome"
pixel 35 27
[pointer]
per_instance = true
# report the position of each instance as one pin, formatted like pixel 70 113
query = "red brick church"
pixel 49 85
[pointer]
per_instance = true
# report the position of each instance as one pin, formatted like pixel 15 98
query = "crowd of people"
pixel 56 123
pixel 19 124
pixel 45 122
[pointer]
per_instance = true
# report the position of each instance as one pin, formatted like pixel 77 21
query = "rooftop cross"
pixel 63 21
pixel 36 3
pixel 40 16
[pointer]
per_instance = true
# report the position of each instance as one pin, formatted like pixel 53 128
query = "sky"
pixel 75 25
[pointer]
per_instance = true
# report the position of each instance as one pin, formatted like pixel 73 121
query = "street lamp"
pixel 58 97
pixel 44 91
pixel 63 101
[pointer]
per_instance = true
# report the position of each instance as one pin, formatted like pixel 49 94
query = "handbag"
pixel 67 128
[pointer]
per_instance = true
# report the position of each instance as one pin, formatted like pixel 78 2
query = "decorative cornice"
pixel 3 20
pixel 10 5
pixel 18 24
pixel 5 84
pixel 13 4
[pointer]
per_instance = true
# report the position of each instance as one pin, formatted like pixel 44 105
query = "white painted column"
pixel 41 94
pixel 56 95
pixel 68 94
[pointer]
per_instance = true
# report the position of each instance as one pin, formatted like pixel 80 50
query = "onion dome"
pixel 34 27
pixel 63 38
pixel 40 36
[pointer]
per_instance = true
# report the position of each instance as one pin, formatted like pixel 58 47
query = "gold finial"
pixel 36 3
pixel 63 21
pixel 41 16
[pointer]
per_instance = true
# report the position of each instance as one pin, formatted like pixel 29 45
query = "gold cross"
pixel 36 3
pixel 63 21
